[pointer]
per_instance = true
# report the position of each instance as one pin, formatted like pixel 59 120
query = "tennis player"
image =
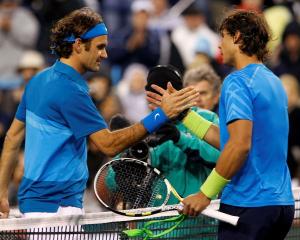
pixel 252 169
pixel 56 115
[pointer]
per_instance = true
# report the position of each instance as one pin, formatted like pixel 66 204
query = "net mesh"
pixel 110 226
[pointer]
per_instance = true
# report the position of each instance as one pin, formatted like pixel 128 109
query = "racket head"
pixel 131 187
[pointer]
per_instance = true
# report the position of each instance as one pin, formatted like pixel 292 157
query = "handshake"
pixel 166 96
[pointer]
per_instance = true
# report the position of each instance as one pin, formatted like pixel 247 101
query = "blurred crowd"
pixel 142 34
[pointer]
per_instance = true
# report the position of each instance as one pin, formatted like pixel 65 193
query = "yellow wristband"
pixel 213 184
pixel 196 124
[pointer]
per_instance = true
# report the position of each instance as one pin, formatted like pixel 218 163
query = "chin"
pixel 94 69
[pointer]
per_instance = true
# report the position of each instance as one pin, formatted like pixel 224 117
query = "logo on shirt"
pixel 157 115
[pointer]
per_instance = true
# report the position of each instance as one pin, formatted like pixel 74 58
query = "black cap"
pixel 162 74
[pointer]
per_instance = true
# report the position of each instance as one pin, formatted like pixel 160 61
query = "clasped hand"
pixel 172 102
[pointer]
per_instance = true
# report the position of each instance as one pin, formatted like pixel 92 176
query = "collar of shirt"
pixel 74 75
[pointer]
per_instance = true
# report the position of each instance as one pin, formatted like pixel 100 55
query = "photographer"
pixel 184 159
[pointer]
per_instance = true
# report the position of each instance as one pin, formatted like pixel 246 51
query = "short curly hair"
pixel 76 23
pixel 254 30
pixel 203 73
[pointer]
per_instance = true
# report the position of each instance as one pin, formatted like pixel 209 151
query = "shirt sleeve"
pixel 238 100
pixel 21 111
pixel 81 114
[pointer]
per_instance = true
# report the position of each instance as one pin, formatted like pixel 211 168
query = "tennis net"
pixel 110 226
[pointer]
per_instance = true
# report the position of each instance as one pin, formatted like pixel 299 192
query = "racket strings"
pixel 125 187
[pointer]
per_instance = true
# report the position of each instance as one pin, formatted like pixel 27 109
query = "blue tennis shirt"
pixel 58 114
pixel 254 93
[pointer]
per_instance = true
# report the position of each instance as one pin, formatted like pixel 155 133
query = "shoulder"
pixel 236 80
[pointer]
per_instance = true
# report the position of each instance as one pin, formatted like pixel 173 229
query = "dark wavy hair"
pixel 76 23
pixel 254 32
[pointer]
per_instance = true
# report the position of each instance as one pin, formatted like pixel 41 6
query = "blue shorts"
pixel 257 223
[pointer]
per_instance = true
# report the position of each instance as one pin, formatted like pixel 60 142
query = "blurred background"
pixel 142 34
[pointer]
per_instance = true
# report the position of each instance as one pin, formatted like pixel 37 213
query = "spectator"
pixel 207 83
pixel 136 42
pixel 30 63
pixel 18 32
pixel 132 94
pixel 116 13
pixel 288 60
pixel 185 36
pixel 278 17
pixel 162 18
pixel 104 95
pixel 48 12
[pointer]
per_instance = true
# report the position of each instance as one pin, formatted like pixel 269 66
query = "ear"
pixel 236 37
pixel 77 45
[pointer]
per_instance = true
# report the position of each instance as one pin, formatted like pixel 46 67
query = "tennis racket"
pixel 134 188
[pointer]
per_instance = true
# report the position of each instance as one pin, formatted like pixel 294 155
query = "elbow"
pixel 11 143
pixel 244 147
pixel 110 153
pixel 110 150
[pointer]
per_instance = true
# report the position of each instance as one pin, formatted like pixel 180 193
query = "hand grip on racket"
pixel 134 188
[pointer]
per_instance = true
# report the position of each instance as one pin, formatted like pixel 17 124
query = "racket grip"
pixel 177 207
pixel 233 220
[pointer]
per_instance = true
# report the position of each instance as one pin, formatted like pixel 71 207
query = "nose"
pixel 103 53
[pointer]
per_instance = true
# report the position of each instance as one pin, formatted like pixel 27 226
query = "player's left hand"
pixel 194 204
pixel 154 99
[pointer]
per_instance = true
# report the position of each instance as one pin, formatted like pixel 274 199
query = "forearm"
pixel 8 164
pixel 125 138
pixel 113 142
pixel 231 159
pixel 202 128
pixel 212 136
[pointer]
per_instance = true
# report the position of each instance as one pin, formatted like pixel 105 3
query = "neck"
pixel 73 63
pixel 243 60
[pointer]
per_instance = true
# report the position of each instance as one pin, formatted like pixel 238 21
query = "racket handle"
pixel 177 207
pixel 233 220
pixel 209 212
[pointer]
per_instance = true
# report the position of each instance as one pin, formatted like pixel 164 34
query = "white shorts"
pixel 62 211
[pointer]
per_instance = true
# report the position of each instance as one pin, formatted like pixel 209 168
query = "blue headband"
pixel 98 30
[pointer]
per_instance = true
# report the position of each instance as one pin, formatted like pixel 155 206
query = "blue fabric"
pixel 96 31
pixel 58 114
pixel 254 93
pixel 154 120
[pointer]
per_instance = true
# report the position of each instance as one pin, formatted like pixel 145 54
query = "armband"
pixel 213 184
pixel 196 124
pixel 154 120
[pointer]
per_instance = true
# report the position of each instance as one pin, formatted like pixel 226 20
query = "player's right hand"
pixel 194 204
pixel 172 102
pixel 4 208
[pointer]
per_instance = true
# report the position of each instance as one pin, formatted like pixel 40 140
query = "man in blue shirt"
pixel 253 136
pixel 56 115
